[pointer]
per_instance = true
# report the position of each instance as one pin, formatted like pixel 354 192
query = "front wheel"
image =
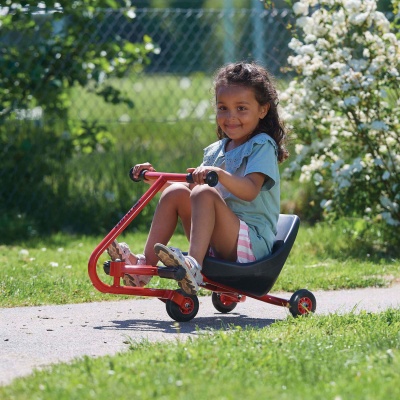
pixel 185 313
pixel 302 302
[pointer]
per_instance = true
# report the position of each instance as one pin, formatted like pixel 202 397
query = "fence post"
pixel 229 45
pixel 257 32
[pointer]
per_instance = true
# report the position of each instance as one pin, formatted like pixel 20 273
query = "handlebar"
pixel 211 177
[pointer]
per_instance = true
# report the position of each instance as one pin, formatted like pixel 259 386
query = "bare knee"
pixel 175 193
pixel 202 193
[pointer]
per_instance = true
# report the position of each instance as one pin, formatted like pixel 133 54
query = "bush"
pixel 344 106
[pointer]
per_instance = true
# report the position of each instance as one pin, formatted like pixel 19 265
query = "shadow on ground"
pixel 199 324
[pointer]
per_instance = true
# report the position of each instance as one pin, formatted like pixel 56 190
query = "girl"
pixel 237 219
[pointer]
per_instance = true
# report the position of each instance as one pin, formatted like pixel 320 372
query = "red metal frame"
pixel 118 269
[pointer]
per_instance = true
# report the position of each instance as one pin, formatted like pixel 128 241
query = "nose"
pixel 231 114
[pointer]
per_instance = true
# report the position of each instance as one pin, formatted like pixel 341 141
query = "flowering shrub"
pixel 344 108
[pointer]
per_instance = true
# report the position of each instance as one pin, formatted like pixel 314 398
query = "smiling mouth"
pixel 232 126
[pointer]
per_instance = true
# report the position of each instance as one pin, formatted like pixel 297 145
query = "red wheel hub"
pixel 188 306
pixel 304 305
pixel 225 300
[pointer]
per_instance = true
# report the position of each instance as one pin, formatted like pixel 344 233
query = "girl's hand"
pixel 199 174
pixel 138 168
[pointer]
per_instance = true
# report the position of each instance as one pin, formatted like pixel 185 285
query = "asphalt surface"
pixel 36 337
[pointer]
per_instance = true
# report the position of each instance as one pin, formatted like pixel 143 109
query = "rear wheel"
pixel 185 313
pixel 302 302
pixel 222 303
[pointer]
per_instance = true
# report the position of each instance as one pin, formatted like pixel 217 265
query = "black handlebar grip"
pixel 141 175
pixel 211 178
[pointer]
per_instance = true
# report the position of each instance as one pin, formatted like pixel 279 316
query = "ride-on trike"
pixel 229 282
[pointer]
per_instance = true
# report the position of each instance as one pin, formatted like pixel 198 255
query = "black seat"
pixel 258 277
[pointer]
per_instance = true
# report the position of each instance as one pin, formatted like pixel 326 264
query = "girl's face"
pixel 238 112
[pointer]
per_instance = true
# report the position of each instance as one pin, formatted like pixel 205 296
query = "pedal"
pixel 176 273
pixel 106 267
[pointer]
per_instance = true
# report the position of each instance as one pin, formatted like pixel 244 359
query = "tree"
pixel 70 43
pixel 344 107
pixel 32 73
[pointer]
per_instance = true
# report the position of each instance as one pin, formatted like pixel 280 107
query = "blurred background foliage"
pixel 90 88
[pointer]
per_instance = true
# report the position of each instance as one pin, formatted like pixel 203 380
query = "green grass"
pixel 53 270
pixel 155 97
pixel 319 357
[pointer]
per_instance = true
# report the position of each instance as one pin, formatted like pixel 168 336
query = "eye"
pixel 221 108
pixel 241 108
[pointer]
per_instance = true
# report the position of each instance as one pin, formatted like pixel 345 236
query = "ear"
pixel 264 110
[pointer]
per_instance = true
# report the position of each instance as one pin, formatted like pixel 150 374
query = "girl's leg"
pixel 174 202
pixel 213 223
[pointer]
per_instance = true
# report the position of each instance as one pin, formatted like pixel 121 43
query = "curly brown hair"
pixel 260 80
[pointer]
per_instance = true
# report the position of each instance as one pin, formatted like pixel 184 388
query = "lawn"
pixel 155 97
pixel 53 270
pixel 318 357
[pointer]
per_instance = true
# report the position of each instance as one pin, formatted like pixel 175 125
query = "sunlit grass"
pixel 53 270
pixel 319 357
pixel 155 97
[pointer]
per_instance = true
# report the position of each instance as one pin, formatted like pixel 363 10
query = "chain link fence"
pixel 171 121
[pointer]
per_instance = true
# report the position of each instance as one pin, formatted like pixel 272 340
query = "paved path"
pixel 34 337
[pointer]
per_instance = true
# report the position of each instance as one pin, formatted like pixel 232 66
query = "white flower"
pixel 326 204
pixel 131 13
pixel 366 53
pixel 381 21
pixel 310 38
pixel 298 148
pixel 338 65
pixel 390 37
pixel 23 253
pixel 358 65
pixel 300 8
pixel 303 22
pixel 294 44
pixel 308 49
pixel 53 264
pixel 185 83
pixel 358 19
pixel 352 5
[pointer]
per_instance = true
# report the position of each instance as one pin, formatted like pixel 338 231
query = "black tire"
pixel 222 305
pixel 302 302
pixel 183 314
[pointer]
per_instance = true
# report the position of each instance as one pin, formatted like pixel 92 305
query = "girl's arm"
pixel 245 188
